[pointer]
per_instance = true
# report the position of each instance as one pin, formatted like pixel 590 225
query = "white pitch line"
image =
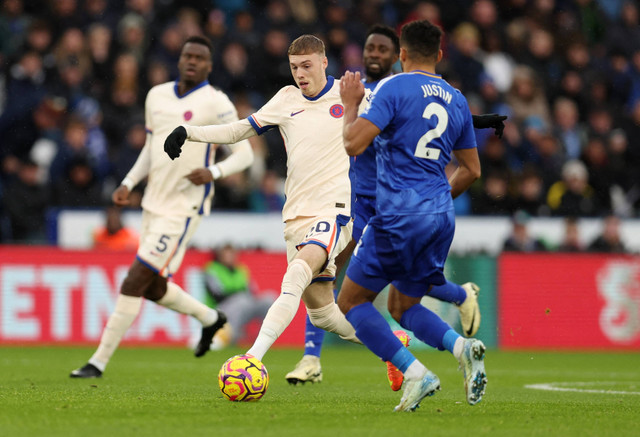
pixel 552 387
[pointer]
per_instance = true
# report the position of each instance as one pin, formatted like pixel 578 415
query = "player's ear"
pixel 325 62
pixel 439 58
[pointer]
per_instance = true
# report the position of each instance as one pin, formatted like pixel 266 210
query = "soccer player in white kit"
pixel 318 190
pixel 175 199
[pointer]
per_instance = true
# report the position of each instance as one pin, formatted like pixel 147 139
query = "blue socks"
pixel 313 338
pixel 375 333
pixel 429 328
pixel 448 292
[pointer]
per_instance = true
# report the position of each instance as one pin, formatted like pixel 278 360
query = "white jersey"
pixel 317 165
pixel 168 192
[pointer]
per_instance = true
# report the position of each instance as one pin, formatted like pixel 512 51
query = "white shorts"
pixel 164 240
pixel 331 233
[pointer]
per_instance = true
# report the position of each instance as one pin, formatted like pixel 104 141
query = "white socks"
pixel 126 311
pixel 458 348
pixel 416 370
pixel 179 300
pixel 295 281
pixel 331 319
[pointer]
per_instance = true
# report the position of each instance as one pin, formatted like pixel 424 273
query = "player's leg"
pixel 465 297
pixel 432 330
pixel 309 367
pixel 312 243
pixel 175 234
pixel 373 330
pixel 125 312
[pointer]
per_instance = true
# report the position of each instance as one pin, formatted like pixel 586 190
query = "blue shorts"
pixel 363 209
pixel 408 251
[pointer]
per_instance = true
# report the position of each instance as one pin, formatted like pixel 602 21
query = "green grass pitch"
pixel 168 392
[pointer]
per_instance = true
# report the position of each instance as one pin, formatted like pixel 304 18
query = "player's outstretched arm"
pixel 241 158
pixel 220 134
pixel 467 172
pixel 486 121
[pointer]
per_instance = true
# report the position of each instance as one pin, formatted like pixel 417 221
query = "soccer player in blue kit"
pixel 417 120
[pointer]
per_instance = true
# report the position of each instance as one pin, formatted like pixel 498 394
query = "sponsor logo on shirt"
pixel 336 110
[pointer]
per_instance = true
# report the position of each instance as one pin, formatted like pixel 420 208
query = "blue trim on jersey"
pixel 260 130
pixel 147 130
pixel 323 279
pixel 324 91
pixel 197 87
pixel 147 265
pixel 208 186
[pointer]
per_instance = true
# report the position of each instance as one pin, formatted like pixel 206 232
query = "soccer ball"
pixel 243 378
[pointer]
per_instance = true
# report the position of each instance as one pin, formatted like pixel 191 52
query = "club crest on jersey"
pixel 336 110
pixel 188 115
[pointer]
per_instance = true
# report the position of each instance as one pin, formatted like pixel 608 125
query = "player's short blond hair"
pixel 306 45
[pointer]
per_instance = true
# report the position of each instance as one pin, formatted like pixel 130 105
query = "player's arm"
pixel 357 132
pixel 138 172
pixel 219 133
pixel 241 157
pixel 467 172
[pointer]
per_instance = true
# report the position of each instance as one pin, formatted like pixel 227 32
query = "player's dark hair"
pixel 381 29
pixel 306 45
pixel 198 39
pixel 421 39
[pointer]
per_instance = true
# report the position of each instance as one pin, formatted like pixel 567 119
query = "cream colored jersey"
pixel 317 181
pixel 168 192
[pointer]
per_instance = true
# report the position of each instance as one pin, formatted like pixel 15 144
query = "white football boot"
pixel 470 310
pixel 416 390
pixel 308 369
pixel 472 365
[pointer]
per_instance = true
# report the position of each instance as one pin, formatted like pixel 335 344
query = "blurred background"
pixel 550 232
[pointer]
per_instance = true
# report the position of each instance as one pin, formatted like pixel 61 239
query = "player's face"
pixel 379 56
pixel 309 72
pixel 195 63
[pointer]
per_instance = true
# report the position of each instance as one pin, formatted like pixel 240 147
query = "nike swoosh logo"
pixel 296 113
pixel 471 325
pixel 291 294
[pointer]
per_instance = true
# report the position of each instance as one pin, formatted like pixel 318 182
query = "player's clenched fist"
pixel 175 140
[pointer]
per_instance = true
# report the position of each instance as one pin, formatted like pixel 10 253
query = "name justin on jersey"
pixel 436 90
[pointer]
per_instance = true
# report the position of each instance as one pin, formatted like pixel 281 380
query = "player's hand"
pixel 120 196
pixel 486 121
pixel 200 176
pixel 351 89
pixel 175 140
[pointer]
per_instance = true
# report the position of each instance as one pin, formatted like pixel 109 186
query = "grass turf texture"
pixel 158 392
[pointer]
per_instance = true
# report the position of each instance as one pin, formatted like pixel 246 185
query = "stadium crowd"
pixel 74 75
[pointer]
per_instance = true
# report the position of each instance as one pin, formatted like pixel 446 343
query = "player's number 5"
pixel 422 151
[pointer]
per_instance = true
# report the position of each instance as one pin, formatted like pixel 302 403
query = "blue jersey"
pixel 364 166
pixel 422 119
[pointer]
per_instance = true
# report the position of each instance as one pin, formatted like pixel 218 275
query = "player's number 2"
pixel 422 149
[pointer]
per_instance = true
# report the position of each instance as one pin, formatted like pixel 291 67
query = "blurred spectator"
pixel 26 200
pixel 571 239
pixel 495 198
pixel 520 240
pixel 269 196
pixel 530 196
pixel 113 235
pixel 78 187
pixel 610 240
pixel 75 146
pixel 465 56
pixel 567 127
pixel 526 97
pixel 573 195
pixel 229 289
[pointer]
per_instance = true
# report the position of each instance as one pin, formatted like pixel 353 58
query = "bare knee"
pixel 139 279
